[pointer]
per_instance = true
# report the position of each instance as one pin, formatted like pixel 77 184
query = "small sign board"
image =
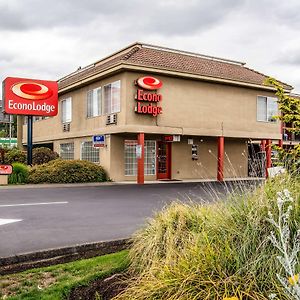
pixel 138 151
pixel 98 141
pixel 6 169
pixel 172 138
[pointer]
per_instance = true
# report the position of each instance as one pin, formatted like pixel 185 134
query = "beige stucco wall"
pixel 183 167
pixel 193 107
pixel 190 107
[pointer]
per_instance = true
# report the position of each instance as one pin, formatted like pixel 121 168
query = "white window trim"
pixel 266 120
pixel 103 97
pixel 81 152
pixel 100 103
pixel 155 161
pixel 69 99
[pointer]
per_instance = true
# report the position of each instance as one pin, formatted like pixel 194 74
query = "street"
pixel 33 219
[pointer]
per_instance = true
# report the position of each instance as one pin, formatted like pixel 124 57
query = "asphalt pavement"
pixel 33 219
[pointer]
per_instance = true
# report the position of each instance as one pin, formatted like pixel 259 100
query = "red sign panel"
pixel 5 169
pixel 30 97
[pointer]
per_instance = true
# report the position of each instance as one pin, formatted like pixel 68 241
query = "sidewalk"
pixel 114 183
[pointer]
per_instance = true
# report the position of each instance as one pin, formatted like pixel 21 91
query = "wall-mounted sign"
pixel 6 169
pixel 30 97
pixel 194 152
pixel 149 83
pixel 172 138
pixel 138 151
pixel 142 96
pixel 190 141
pixel 98 141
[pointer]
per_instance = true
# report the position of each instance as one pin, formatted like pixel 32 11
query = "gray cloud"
pixel 50 39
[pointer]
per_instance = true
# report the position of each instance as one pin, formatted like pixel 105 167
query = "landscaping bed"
pixel 64 280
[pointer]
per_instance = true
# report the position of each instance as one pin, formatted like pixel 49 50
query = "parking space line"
pixel 32 204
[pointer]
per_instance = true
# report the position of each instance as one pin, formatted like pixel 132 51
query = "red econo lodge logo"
pixel 148 102
pixel 30 97
pixel 149 83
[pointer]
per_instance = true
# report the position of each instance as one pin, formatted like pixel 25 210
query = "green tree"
pixel 290 114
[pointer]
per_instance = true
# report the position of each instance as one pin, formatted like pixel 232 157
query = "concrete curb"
pixel 18 263
pixel 123 183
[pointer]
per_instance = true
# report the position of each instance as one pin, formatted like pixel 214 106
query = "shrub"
pixel 43 155
pixel 19 175
pixel 214 251
pixel 14 155
pixel 67 171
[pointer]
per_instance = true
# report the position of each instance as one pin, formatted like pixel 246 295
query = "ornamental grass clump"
pixel 216 251
pixel 19 175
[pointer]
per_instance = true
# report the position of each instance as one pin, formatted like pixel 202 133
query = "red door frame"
pixel 166 175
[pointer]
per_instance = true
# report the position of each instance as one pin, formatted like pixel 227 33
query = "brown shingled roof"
pixel 173 60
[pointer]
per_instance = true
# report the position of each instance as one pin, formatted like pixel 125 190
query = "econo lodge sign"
pixel 30 97
pixel 148 100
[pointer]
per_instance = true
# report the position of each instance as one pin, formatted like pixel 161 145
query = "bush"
pixel 43 155
pixel 14 155
pixel 67 171
pixel 212 251
pixel 19 175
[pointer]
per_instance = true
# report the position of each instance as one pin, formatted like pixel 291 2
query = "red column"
pixel 220 175
pixel 280 143
pixel 268 155
pixel 140 171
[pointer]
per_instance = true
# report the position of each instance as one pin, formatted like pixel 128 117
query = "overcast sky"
pixel 49 39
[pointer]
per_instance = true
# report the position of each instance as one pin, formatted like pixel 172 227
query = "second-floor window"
pixel 112 97
pixel 267 109
pixel 94 103
pixel 66 110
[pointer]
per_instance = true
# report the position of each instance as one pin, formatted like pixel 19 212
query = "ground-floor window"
pixel 131 161
pixel 67 151
pixel 90 153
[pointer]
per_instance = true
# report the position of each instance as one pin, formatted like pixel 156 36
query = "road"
pixel 33 219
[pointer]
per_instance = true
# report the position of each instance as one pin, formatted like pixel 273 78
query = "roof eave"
pixel 122 66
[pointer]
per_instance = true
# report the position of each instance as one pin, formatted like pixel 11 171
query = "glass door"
pixel 163 160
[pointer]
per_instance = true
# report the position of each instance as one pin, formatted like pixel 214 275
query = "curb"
pixel 18 263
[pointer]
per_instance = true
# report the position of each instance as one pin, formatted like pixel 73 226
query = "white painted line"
pixel 32 204
pixel 7 221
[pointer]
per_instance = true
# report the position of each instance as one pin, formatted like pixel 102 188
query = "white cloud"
pixel 51 39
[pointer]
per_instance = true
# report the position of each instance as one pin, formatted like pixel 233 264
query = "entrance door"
pixel 163 160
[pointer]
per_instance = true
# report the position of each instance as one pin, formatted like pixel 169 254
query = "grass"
pixel 56 282
pixel 212 251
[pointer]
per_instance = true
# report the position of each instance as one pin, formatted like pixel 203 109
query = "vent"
pixel 66 127
pixel 111 119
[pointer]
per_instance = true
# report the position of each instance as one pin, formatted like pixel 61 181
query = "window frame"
pixel 134 160
pixel 96 92
pixel 70 143
pixel 268 100
pixel 96 149
pixel 111 108
pixel 66 100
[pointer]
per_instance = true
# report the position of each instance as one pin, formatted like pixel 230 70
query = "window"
pixel 112 97
pixel 88 152
pixel 66 110
pixel 131 160
pixel 67 151
pixel 267 109
pixel 94 103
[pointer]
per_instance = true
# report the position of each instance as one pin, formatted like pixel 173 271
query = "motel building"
pixel 164 114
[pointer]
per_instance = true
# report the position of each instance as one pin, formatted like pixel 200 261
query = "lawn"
pixel 56 282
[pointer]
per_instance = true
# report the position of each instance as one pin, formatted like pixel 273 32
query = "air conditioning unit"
pixel 66 127
pixel 111 119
